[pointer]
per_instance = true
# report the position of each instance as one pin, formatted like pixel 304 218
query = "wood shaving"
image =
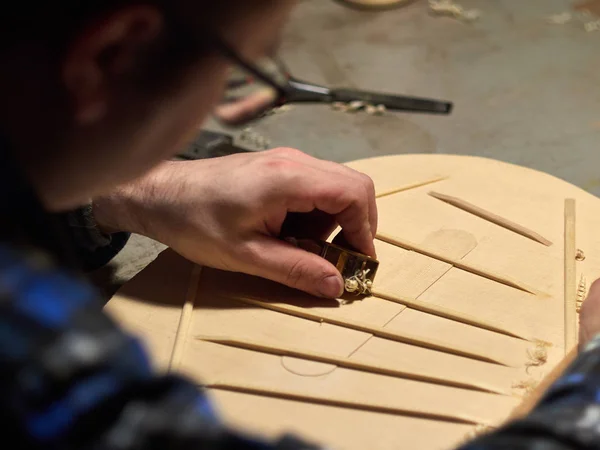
pixel 584 17
pixel 527 385
pixel 351 107
pixel 359 283
pixel 355 106
pixel 593 25
pixel 449 8
pixel 559 19
pixel 580 256
pixel 339 106
pixel 370 109
pixel 538 356
pixel 581 293
pixel 375 110
pixel 251 137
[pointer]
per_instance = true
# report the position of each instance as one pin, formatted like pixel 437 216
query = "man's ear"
pixel 106 47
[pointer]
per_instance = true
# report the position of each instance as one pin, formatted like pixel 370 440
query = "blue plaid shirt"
pixel 70 378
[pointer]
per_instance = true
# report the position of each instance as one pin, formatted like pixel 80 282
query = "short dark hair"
pixel 56 21
pixel 50 25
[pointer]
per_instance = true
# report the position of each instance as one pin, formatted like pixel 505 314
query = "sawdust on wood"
pixel 538 356
pixel 526 385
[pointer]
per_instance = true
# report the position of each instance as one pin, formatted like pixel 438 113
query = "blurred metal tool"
pixel 283 88
pixel 297 91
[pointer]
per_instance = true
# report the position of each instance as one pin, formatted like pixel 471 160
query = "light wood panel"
pixel 327 379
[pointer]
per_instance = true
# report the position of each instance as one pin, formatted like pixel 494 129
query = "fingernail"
pixel 331 287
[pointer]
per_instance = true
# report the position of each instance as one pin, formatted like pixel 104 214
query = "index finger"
pixel 342 196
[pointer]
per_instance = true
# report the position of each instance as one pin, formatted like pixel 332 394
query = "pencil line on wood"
pixel 185 318
pixel 347 363
pixel 406 338
pixel 440 311
pixel 362 344
pixel 491 217
pixel 570 277
pixel 328 401
pixel 446 313
pixel 410 186
pixel 459 264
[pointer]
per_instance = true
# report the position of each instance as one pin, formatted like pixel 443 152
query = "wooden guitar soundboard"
pixel 468 313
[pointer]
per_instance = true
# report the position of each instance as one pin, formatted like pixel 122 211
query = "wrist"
pixel 129 207
pixel 113 212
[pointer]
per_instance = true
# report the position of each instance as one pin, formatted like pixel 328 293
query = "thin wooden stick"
pixel 406 338
pixel 491 217
pixel 349 364
pixel 410 186
pixel 446 313
pixel 459 264
pixel 329 401
pixel 185 318
pixel 570 277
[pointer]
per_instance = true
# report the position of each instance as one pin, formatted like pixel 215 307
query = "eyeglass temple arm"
pixel 233 56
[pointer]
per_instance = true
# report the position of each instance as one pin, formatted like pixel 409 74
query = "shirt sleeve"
pixel 71 379
pixel 567 417
pixel 93 247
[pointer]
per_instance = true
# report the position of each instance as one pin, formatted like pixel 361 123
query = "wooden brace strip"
pixel 570 277
pixel 446 313
pixel 185 318
pixel 491 217
pixel 406 338
pixel 328 401
pixel 349 364
pixel 459 264
pixel 410 186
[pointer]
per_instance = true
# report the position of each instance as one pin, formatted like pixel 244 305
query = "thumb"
pixel 280 261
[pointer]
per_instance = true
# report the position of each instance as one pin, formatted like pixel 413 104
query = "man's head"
pixel 96 92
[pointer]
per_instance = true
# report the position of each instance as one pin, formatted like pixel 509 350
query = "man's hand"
pixel 230 213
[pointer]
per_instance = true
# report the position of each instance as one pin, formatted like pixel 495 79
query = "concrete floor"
pixel 525 91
